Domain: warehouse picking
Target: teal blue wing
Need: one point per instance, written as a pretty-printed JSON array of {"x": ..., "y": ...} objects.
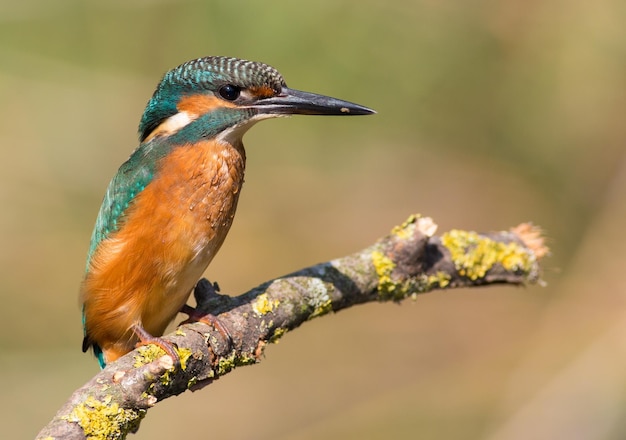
[{"x": 131, "y": 178}]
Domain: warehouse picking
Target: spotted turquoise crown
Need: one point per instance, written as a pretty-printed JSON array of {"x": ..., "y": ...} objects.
[{"x": 203, "y": 74}]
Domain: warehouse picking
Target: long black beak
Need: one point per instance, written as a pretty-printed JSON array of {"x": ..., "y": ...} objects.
[{"x": 296, "y": 102}]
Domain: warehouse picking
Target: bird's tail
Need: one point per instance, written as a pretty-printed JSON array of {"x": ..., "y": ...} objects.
[
  {"x": 88, "y": 343},
  {"x": 97, "y": 351}
]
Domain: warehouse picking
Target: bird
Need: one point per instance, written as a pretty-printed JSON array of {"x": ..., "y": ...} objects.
[{"x": 169, "y": 207}]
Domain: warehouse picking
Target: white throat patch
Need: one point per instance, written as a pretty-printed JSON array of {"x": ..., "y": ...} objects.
[{"x": 172, "y": 124}]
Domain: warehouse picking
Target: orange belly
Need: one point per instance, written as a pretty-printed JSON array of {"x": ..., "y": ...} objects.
[{"x": 144, "y": 272}]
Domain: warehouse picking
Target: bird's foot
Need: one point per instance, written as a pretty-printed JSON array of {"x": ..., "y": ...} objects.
[
  {"x": 207, "y": 318},
  {"x": 205, "y": 291},
  {"x": 207, "y": 297},
  {"x": 146, "y": 338}
]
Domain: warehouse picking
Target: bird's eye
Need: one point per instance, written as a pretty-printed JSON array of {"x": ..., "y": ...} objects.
[{"x": 229, "y": 92}]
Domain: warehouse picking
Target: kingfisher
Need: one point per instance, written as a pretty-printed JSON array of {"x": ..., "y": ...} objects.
[{"x": 168, "y": 209}]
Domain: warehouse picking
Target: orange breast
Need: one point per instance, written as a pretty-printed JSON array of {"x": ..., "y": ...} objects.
[{"x": 144, "y": 272}]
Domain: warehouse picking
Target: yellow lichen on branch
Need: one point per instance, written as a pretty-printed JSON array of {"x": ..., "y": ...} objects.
[
  {"x": 473, "y": 255},
  {"x": 105, "y": 420}
]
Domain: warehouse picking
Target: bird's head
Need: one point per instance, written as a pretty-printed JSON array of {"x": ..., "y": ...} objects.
[{"x": 221, "y": 96}]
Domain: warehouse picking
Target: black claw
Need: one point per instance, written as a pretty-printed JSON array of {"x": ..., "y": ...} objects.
[
  {"x": 206, "y": 293},
  {"x": 205, "y": 290}
]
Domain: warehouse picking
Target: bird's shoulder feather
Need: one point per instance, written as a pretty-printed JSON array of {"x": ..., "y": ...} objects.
[{"x": 131, "y": 178}]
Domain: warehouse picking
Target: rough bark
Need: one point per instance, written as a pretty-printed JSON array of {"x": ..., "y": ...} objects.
[{"x": 409, "y": 261}]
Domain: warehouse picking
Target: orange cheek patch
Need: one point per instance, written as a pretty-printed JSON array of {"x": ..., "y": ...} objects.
[
  {"x": 262, "y": 91},
  {"x": 201, "y": 104}
]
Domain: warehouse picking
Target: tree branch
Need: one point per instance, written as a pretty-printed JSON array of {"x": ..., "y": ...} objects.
[{"x": 409, "y": 261}]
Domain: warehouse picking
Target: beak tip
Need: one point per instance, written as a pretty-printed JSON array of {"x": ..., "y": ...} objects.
[{"x": 357, "y": 110}]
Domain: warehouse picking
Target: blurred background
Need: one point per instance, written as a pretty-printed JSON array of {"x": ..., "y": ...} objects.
[{"x": 490, "y": 113}]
